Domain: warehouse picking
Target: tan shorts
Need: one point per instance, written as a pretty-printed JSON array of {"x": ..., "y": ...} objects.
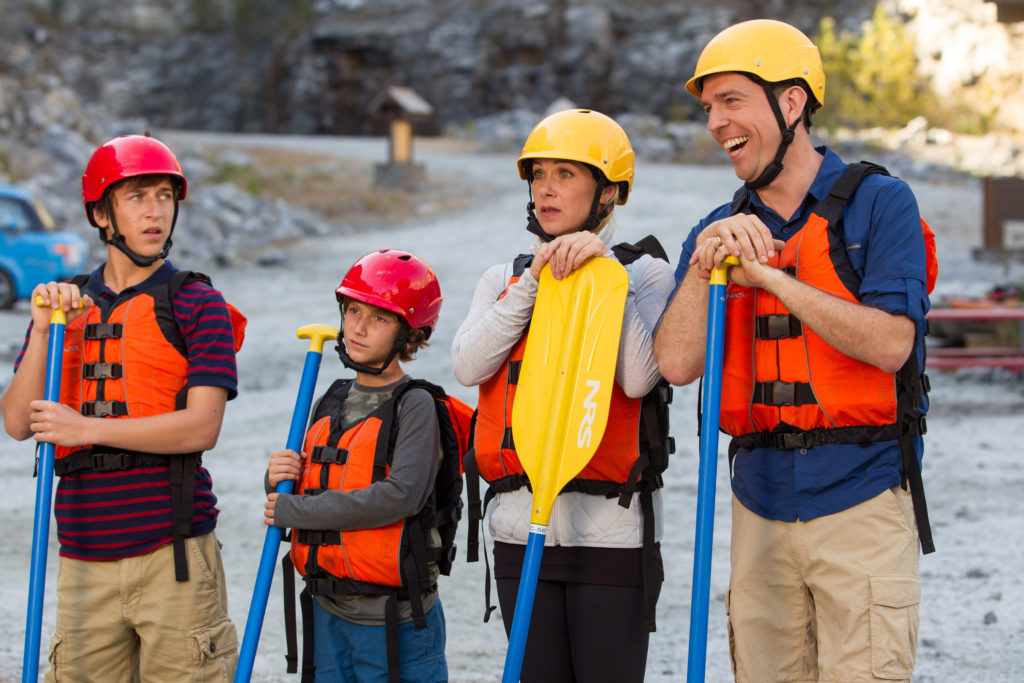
[
  {"x": 832, "y": 599},
  {"x": 129, "y": 619}
]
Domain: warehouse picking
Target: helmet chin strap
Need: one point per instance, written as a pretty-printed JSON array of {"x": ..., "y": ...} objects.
[
  {"x": 400, "y": 343},
  {"x": 788, "y": 134},
  {"x": 592, "y": 223},
  {"x": 533, "y": 225},
  {"x": 117, "y": 240}
]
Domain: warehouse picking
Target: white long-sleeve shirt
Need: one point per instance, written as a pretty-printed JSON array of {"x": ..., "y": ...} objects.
[{"x": 481, "y": 347}]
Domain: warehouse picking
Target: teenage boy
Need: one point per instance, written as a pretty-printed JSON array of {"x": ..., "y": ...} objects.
[
  {"x": 374, "y": 482},
  {"x": 149, "y": 363}
]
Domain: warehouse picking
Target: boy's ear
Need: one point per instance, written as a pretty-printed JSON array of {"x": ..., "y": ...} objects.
[{"x": 99, "y": 213}]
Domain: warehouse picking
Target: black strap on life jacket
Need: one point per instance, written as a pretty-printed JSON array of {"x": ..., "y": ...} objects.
[
  {"x": 475, "y": 532},
  {"x": 654, "y": 447},
  {"x": 913, "y": 424},
  {"x": 181, "y": 474},
  {"x": 291, "y": 637},
  {"x": 912, "y": 384}
]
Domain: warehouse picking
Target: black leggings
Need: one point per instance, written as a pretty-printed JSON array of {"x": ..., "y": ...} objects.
[{"x": 581, "y": 632}]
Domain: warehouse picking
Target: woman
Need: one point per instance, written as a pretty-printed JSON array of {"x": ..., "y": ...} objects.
[{"x": 590, "y": 617}]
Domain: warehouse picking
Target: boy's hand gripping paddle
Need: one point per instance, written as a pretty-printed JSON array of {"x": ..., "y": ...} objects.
[
  {"x": 561, "y": 404},
  {"x": 317, "y": 336},
  {"x": 710, "y": 409},
  {"x": 44, "y": 499}
]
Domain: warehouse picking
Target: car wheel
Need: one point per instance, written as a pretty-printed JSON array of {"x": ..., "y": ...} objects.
[{"x": 7, "y": 291}]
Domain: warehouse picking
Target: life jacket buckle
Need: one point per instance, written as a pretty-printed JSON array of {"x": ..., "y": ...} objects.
[
  {"x": 97, "y": 371},
  {"x": 100, "y": 331},
  {"x": 778, "y": 326},
  {"x": 783, "y": 393},
  {"x": 329, "y": 455},
  {"x": 450, "y": 553},
  {"x": 105, "y": 409},
  {"x": 782, "y": 441},
  {"x": 107, "y": 462}
]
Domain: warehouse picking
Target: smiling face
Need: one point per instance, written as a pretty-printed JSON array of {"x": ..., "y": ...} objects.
[
  {"x": 144, "y": 211},
  {"x": 742, "y": 122},
  {"x": 563, "y": 192}
]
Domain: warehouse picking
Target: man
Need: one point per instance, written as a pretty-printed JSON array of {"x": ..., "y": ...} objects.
[
  {"x": 149, "y": 363},
  {"x": 821, "y": 390}
]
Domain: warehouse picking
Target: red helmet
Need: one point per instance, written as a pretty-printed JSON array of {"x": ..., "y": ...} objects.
[
  {"x": 396, "y": 281},
  {"x": 125, "y": 157}
]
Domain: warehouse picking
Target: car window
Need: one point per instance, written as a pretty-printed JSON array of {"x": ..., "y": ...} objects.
[
  {"x": 43, "y": 215},
  {"x": 14, "y": 215}
]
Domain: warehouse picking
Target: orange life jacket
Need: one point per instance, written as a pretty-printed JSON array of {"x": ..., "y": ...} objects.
[
  {"x": 122, "y": 364},
  {"x": 784, "y": 387},
  {"x": 779, "y": 375},
  {"x": 390, "y": 560},
  {"x": 494, "y": 449},
  {"x": 130, "y": 361},
  {"x": 364, "y": 560}
]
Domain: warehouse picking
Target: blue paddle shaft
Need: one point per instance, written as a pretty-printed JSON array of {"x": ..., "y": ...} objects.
[
  {"x": 41, "y": 527},
  {"x": 710, "y": 407},
  {"x": 272, "y": 542},
  {"x": 524, "y": 604}
]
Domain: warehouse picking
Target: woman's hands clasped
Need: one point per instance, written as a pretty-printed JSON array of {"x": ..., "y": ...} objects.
[{"x": 566, "y": 253}]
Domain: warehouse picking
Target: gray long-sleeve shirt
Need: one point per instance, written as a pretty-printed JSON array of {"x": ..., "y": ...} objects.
[{"x": 403, "y": 493}]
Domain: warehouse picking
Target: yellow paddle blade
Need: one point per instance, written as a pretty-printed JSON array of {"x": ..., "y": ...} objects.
[{"x": 565, "y": 382}]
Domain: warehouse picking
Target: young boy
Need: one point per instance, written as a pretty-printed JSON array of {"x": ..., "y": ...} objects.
[
  {"x": 370, "y": 498},
  {"x": 149, "y": 363}
]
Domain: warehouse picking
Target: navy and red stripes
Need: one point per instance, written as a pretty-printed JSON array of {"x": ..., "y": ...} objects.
[
  {"x": 110, "y": 515},
  {"x": 205, "y": 323}
]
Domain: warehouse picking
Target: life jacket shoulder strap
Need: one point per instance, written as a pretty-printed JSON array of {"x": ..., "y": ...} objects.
[
  {"x": 520, "y": 264},
  {"x": 183, "y": 277},
  {"x": 330, "y": 403},
  {"x": 831, "y": 207},
  {"x": 627, "y": 253}
]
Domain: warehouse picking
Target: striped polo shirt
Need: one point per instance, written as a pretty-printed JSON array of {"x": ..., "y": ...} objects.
[{"x": 117, "y": 514}]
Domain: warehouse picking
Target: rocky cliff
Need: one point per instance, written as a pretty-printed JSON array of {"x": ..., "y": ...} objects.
[
  {"x": 75, "y": 73},
  {"x": 315, "y": 66}
]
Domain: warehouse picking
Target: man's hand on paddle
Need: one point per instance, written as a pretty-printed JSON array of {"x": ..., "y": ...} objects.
[{"x": 743, "y": 236}]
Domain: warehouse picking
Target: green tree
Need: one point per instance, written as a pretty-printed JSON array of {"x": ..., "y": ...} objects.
[{"x": 872, "y": 79}]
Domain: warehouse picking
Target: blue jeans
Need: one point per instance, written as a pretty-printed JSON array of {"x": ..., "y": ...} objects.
[{"x": 356, "y": 653}]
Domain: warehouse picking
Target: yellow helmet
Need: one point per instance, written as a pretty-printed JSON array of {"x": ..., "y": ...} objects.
[
  {"x": 585, "y": 136},
  {"x": 771, "y": 50}
]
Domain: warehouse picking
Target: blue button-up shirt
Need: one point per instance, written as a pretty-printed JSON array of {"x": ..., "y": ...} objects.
[{"x": 882, "y": 230}]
